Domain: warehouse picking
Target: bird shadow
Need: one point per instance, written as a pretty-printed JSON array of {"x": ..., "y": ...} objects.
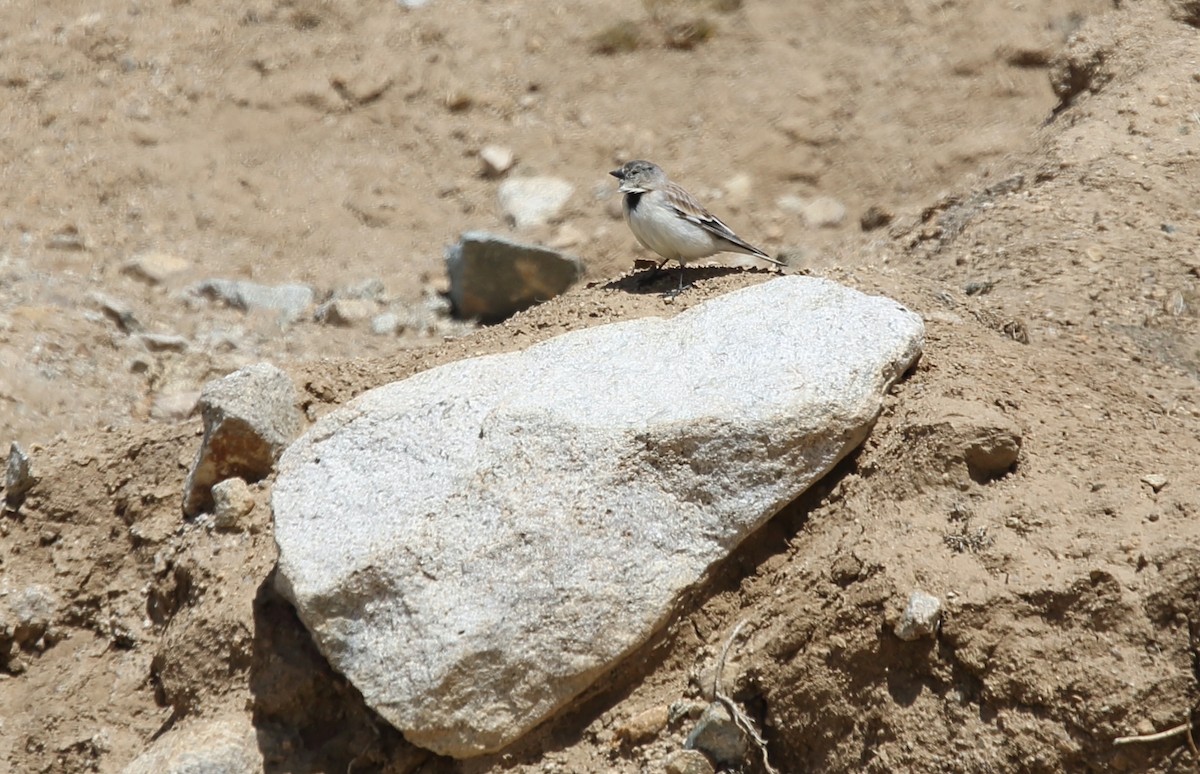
[{"x": 653, "y": 280}]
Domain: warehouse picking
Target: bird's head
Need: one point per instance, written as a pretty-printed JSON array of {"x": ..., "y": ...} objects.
[{"x": 639, "y": 176}]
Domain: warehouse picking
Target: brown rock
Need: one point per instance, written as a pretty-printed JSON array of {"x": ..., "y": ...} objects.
[
  {"x": 644, "y": 726},
  {"x": 875, "y": 217},
  {"x": 687, "y": 762},
  {"x": 965, "y": 442},
  {"x": 155, "y": 268},
  {"x": 347, "y": 312}
]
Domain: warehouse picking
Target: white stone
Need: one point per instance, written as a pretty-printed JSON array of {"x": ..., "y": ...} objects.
[
  {"x": 824, "y": 212},
  {"x": 496, "y": 160},
  {"x": 174, "y": 405},
  {"x": 289, "y": 301},
  {"x": 34, "y": 607},
  {"x": 1156, "y": 481},
  {"x": 738, "y": 189},
  {"x": 473, "y": 546},
  {"x": 533, "y": 201},
  {"x": 920, "y": 617},
  {"x": 346, "y": 312},
  {"x": 232, "y": 502},
  {"x": 387, "y": 324},
  {"x": 791, "y": 204}
]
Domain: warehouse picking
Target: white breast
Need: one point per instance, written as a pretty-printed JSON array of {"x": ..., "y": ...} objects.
[{"x": 672, "y": 237}]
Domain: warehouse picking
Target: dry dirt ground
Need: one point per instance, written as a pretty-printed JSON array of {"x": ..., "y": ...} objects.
[{"x": 1043, "y": 164}]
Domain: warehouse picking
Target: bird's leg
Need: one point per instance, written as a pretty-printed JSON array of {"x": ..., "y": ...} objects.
[
  {"x": 653, "y": 275},
  {"x": 674, "y": 293}
]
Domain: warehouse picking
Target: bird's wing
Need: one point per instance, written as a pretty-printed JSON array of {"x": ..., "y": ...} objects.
[{"x": 686, "y": 207}]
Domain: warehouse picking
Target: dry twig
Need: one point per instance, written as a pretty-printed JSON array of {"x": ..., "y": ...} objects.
[
  {"x": 1182, "y": 728},
  {"x": 742, "y": 720}
]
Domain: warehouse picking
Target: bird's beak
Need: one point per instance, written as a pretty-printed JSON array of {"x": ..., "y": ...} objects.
[{"x": 625, "y": 187}]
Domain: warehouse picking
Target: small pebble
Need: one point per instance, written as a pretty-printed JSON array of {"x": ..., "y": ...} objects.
[
  {"x": 687, "y": 762},
  {"x": 875, "y": 217},
  {"x": 387, "y": 324},
  {"x": 232, "y": 501},
  {"x": 117, "y": 311},
  {"x": 496, "y": 160},
  {"x": 163, "y": 342},
  {"x": 920, "y": 617},
  {"x": 67, "y": 238},
  {"x": 174, "y": 406},
  {"x": 155, "y": 268},
  {"x": 717, "y": 735},
  {"x": 346, "y": 312},
  {"x": 791, "y": 204},
  {"x": 644, "y": 726},
  {"x": 738, "y": 189},
  {"x": 1175, "y": 304},
  {"x": 824, "y": 212},
  {"x": 19, "y": 478},
  {"x": 1156, "y": 481},
  {"x": 532, "y": 201}
]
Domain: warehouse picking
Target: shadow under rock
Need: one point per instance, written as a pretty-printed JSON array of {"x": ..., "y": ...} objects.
[
  {"x": 309, "y": 718},
  {"x": 774, "y": 536}
]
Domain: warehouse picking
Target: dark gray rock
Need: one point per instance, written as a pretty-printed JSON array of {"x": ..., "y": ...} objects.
[
  {"x": 18, "y": 476},
  {"x": 492, "y": 278},
  {"x": 249, "y": 418},
  {"x": 718, "y": 736}
]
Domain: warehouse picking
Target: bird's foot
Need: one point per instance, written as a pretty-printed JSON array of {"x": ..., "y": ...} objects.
[{"x": 674, "y": 293}]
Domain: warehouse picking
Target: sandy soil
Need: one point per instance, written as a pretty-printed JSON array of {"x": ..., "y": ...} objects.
[{"x": 1042, "y": 162}]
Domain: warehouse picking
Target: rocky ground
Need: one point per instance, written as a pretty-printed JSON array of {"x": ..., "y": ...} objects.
[{"x": 1041, "y": 164}]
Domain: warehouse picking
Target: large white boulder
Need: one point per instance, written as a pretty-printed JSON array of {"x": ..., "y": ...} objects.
[{"x": 473, "y": 546}]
